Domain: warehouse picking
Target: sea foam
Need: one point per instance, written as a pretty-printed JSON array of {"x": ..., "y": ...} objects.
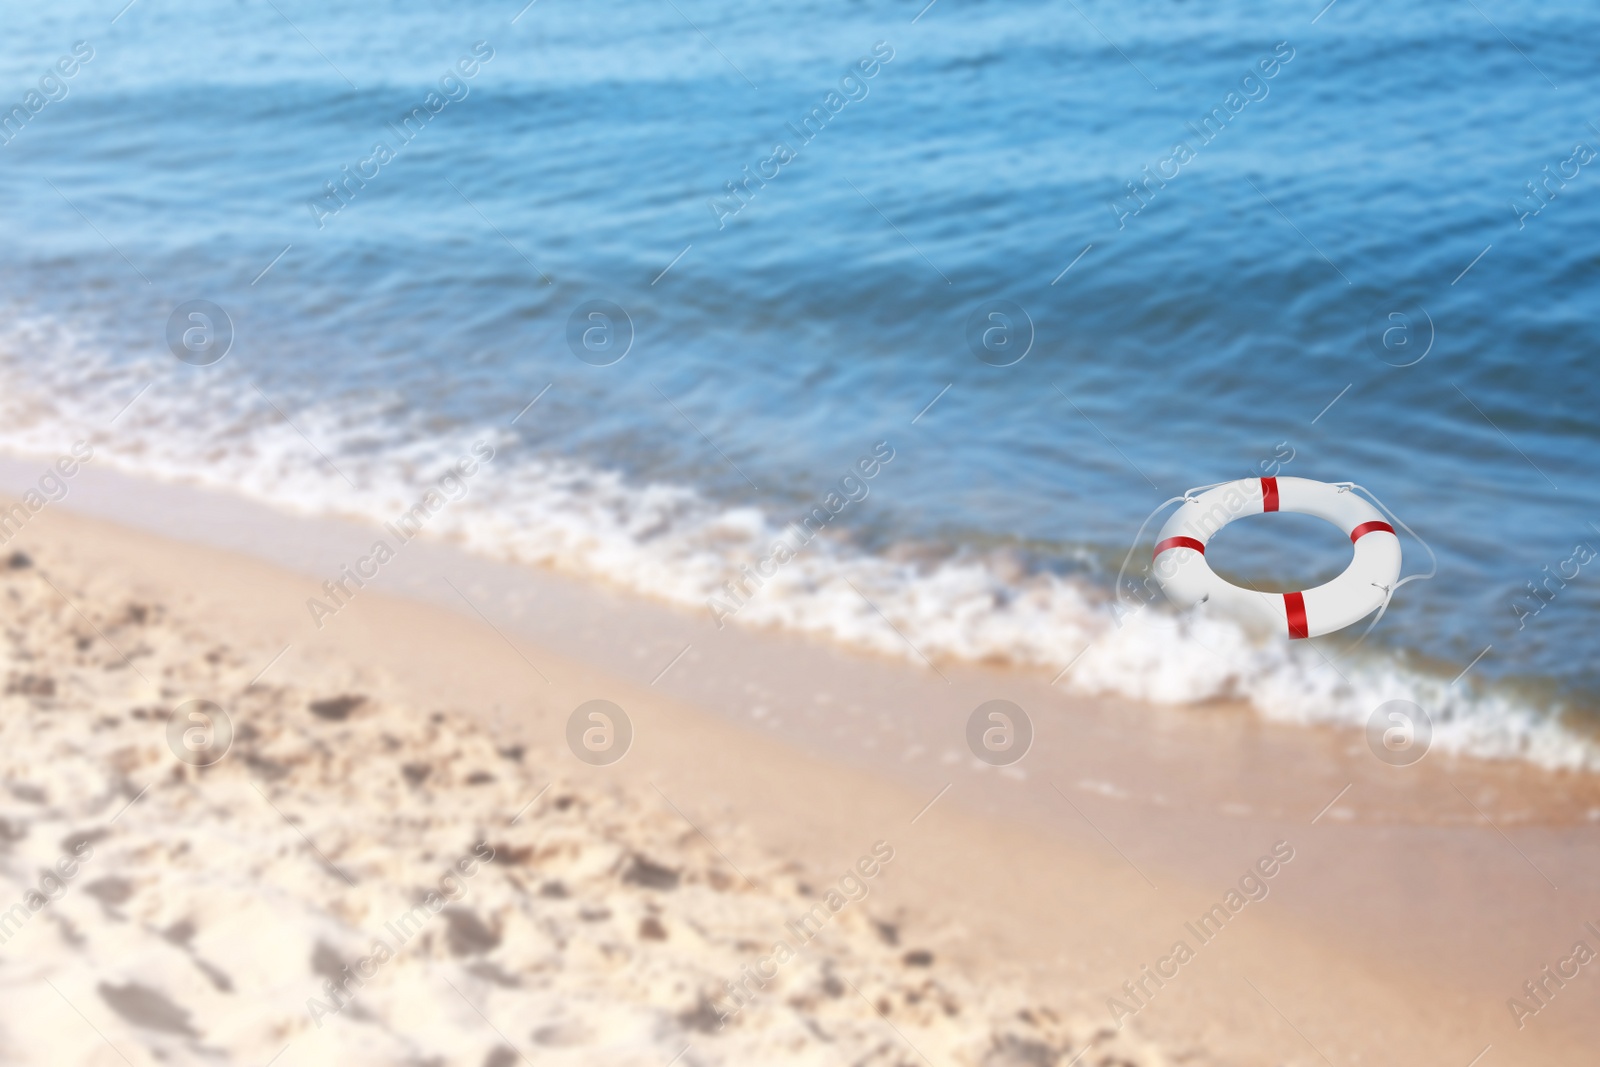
[{"x": 675, "y": 544}]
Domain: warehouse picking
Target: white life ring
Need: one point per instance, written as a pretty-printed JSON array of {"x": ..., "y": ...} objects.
[{"x": 1187, "y": 579}]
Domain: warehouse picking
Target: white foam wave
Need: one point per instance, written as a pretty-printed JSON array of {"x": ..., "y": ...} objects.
[{"x": 216, "y": 429}]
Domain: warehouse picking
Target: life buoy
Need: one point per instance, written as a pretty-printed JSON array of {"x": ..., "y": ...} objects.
[{"x": 1187, "y": 579}]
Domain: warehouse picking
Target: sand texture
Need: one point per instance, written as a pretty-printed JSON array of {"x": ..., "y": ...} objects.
[{"x": 361, "y": 880}]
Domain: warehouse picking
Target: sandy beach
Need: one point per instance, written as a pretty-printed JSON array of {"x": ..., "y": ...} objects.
[
  {"x": 720, "y": 535},
  {"x": 359, "y": 878},
  {"x": 397, "y": 857}
]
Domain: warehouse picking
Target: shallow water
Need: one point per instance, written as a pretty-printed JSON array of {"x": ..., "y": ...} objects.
[{"x": 1239, "y": 323}]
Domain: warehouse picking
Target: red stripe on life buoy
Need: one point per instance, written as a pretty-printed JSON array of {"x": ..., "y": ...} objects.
[
  {"x": 1179, "y": 542},
  {"x": 1295, "y": 605},
  {"x": 1269, "y": 494},
  {"x": 1370, "y": 527}
]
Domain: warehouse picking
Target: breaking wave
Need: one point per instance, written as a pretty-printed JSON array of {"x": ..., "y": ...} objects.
[{"x": 673, "y": 543}]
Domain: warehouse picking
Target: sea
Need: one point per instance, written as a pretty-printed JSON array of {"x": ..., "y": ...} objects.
[{"x": 691, "y": 268}]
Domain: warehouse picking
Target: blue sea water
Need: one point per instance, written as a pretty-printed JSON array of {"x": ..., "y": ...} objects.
[{"x": 1345, "y": 275}]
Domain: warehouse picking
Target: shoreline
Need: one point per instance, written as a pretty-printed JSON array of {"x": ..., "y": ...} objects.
[
  {"x": 676, "y": 547},
  {"x": 1154, "y": 659},
  {"x": 804, "y": 748}
]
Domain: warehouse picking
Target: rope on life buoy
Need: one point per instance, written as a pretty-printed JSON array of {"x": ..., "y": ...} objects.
[{"x": 1388, "y": 591}]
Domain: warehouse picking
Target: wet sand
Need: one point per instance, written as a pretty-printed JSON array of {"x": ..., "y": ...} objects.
[{"x": 1416, "y": 901}]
